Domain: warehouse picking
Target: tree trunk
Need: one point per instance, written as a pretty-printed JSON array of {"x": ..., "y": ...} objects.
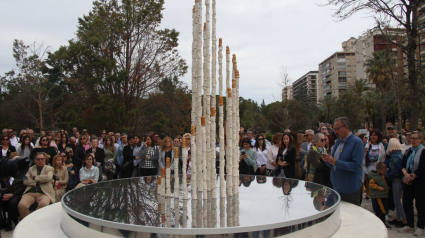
[
  {"x": 40, "y": 109},
  {"x": 411, "y": 70},
  {"x": 384, "y": 116}
]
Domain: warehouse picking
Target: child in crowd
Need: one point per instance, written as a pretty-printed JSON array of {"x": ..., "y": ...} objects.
[{"x": 379, "y": 191}]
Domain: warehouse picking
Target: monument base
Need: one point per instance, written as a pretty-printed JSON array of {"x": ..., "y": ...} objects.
[{"x": 46, "y": 223}]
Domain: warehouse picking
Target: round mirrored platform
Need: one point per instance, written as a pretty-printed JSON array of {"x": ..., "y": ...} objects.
[{"x": 263, "y": 203}]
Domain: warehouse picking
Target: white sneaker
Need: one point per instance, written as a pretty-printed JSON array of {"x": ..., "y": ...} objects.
[
  {"x": 419, "y": 232},
  {"x": 406, "y": 229}
]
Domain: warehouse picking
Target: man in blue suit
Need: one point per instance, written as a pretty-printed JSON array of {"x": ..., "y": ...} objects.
[{"x": 346, "y": 162}]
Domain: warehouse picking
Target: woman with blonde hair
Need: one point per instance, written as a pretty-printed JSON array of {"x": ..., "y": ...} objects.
[
  {"x": 166, "y": 150},
  {"x": 394, "y": 174},
  {"x": 60, "y": 177}
]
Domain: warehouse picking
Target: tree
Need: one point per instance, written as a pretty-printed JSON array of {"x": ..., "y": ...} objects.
[
  {"x": 30, "y": 96},
  {"x": 328, "y": 104},
  {"x": 119, "y": 55},
  {"x": 381, "y": 71},
  {"x": 397, "y": 13},
  {"x": 359, "y": 87},
  {"x": 167, "y": 109}
]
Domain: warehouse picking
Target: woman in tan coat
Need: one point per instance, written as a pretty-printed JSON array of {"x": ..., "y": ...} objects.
[{"x": 60, "y": 177}]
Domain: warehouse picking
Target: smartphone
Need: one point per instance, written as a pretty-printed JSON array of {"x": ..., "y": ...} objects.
[
  {"x": 280, "y": 158},
  {"x": 243, "y": 152},
  {"x": 325, "y": 124}
]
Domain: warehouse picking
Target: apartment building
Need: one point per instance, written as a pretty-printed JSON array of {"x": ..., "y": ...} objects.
[
  {"x": 308, "y": 82},
  {"x": 336, "y": 72},
  {"x": 287, "y": 93},
  {"x": 374, "y": 42}
]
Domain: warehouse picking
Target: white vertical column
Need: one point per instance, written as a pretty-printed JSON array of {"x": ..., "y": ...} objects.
[
  {"x": 213, "y": 101},
  {"x": 176, "y": 173},
  {"x": 221, "y": 120},
  {"x": 198, "y": 138},
  {"x": 184, "y": 167},
  {"x": 229, "y": 135}
]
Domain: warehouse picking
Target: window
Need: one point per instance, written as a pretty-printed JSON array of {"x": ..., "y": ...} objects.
[
  {"x": 342, "y": 79},
  {"x": 348, "y": 72},
  {"x": 348, "y": 66},
  {"x": 348, "y": 61},
  {"x": 342, "y": 74}
]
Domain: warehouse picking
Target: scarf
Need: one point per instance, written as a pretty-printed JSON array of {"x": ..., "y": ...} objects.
[{"x": 411, "y": 159}]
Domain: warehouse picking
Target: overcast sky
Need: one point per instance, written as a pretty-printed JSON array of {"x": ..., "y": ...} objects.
[{"x": 266, "y": 35}]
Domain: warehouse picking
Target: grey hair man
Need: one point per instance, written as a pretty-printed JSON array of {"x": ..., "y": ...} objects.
[
  {"x": 308, "y": 140},
  {"x": 346, "y": 162}
]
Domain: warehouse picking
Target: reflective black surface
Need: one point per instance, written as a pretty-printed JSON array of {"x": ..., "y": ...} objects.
[{"x": 261, "y": 200}]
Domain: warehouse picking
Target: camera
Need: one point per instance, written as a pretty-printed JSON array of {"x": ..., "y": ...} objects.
[{"x": 16, "y": 168}]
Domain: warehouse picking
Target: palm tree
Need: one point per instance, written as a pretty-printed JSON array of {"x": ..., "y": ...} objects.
[
  {"x": 379, "y": 70},
  {"x": 359, "y": 87},
  {"x": 370, "y": 105},
  {"x": 328, "y": 103}
]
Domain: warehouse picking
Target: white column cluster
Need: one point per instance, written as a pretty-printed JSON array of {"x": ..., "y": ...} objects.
[{"x": 204, "y": 109}]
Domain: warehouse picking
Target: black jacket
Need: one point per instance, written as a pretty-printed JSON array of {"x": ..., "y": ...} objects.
[
  {"x": 100, "y": 155},
  {"x": 420, "y": 171},
  {"x": 10, "y": 150},
  {"x": 51, "y": 151},
  {"x": 289, "y": 157}
]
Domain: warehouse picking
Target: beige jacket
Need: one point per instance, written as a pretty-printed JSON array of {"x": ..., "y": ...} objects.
[
  {"x": 62, "y": 176},
  {"x": 45, "y": 180}
]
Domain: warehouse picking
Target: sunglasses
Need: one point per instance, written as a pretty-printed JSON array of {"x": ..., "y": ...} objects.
[
  {"x": 39, "y": 159},
  {"x": 63, "y": 155},
  {"x": 260, "y": 139},
  {"x": 44, "y": 140},
  {"x": 5, "y": 139},
  {"x": 323, "y": 140}
]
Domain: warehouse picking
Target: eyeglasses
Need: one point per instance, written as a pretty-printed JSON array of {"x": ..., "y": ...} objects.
[
  {"x": 5, "y": 139},
  {"x": 337, "y": 128},
  {"x": 39, "y": 159},
  {"x": 64, "y": 156}
]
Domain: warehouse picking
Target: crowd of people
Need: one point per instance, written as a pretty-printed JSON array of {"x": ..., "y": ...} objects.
[{"x": 391, "y": 170}]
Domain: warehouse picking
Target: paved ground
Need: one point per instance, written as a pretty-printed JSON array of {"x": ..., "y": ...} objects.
[
  {"x": 367, "y": 204},
  {"x": 392, "y": 233}
]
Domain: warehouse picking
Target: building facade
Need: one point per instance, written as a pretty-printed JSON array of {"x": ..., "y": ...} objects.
[
  {"x": 335, "y": 73},
  {"x": 367, "y": 45},
  {"x": 287, "y": 93},
  {"x": 308, "y": 83}
]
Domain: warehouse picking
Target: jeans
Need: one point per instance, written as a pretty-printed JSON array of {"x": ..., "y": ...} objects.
[
  {"x": 397, "y": 189},
  {"x": 415, "y": 191}
]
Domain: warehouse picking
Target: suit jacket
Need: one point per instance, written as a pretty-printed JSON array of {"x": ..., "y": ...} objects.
[
  {"x": 44, "y": 179},
  {"x": 304, "y": 146},
  {"x": 289, "y": 157}
]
